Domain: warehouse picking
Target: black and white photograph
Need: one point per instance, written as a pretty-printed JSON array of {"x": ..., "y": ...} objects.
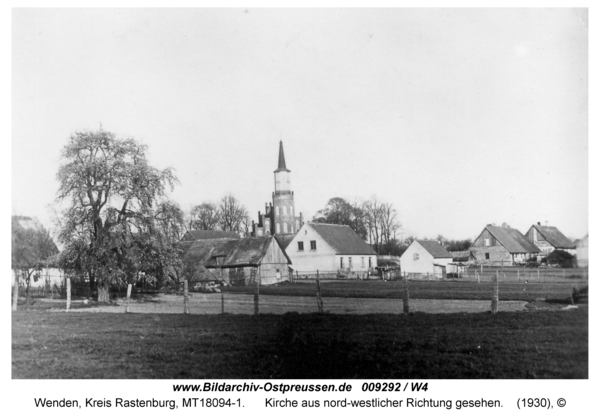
[{"x": 309, "y": 194}]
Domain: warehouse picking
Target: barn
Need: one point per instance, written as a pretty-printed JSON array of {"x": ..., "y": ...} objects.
[
  {"x": 502, "y": 246},
  {"x": 238, "y": 261}
]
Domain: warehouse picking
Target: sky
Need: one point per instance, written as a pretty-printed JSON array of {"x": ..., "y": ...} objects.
[{"x": 458, "y": 117}]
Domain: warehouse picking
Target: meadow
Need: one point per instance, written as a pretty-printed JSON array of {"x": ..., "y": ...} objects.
[{"x": 539, "y": 343}]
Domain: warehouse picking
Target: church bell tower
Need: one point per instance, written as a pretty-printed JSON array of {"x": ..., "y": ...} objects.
[{"x": 285, "y": 220}]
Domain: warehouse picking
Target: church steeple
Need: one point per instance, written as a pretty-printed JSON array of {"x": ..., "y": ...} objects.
[{"x": 281, "y": 166}]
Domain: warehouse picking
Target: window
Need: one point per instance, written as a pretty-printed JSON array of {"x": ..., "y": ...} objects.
[
  {"x": 370, "y": 262},
  {"x": 291, "y": 210},
  {"x": 285, "y": 210},
  {"x": 278, "y": 228},
  {"x": 313, "y": 245},
  {"x": 277, "y": 210},
  {"x": 487, "y": 256},
  {"x": 362, "y": 261},
  {"x": 341, "y": 262},
  {"x": 415, "y": 256},
  {"x": 300, "y": 245},
  {"x": 350, "y": 262},
  {"x": 487, "y": 242},
  {"x": 285, "y": 227},
  {"x": 278, "y": 274}
]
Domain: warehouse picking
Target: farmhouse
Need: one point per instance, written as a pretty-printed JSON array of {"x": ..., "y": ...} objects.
[
  {"x": 199, "y": 234},
  {"x": 502, "y": 245},
  {"x": 330, "y": 248},
  {"x": 549, "y": 238},
  {"x": 425, "y": 258},
  {"x": 582, "y": 252},
  {"x": 235, "y": 261}
]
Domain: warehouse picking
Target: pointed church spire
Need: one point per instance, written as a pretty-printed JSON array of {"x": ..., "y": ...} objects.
[{"x": 281, "y": 166}]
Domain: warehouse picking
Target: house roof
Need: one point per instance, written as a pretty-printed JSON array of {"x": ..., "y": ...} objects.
[
  {"x": 435, "y": 249},
  {"x": 236, "y": 253},
  {"x": 512, "y": 239},
  {"x": 554, "y": 237},
  {"x": 461, "y": 255},
  {"x": 342, "y": 239},
  {"x": 205, "y": 234},
  {"x": 284, "y": 240}
]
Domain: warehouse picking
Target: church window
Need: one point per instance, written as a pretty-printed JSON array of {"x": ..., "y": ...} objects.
[
  {"x": 291, "y": 210},
  {"x": 285, "y": 227},
  {"x": 278, "y": 228},
  {"x": 284, "y": 210},
  {"x": 277, "y": 210}
]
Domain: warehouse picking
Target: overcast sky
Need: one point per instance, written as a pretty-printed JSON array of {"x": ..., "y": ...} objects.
[{"x": 459, "y": 117}]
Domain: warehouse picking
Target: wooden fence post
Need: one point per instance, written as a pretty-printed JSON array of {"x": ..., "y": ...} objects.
[
  {"x": 186, "y": 302},
  {"x": 256, "y": 291},
  {"x": 319, "y": 299},
  {"x": 68, "y": 294},
  {"x": 222, "y": 303},
  {"x": 405, "y": 297},
  {"x": 16, "y": 292},
  {"x": 495, "y": 294},
  {"x": 128, "y": 298}
]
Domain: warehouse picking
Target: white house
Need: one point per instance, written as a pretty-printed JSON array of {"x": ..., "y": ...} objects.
[
  {"x": 425, "y": 258},
  {"x": 330, "y": 248}
]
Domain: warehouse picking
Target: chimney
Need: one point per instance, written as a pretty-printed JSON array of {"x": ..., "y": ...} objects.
[{"x": 539, "y": 224}]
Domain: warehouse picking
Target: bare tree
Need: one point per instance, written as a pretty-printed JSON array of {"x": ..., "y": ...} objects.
[
  {"x": 232, "y": 214},
  {"x": 205, "y": 216}
]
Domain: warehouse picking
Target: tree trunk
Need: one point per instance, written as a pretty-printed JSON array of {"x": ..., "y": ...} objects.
[
  {"x": 103, "y": 295},
  {"x": 27, "y": 292},
  {"x": 16, "y": 291}
]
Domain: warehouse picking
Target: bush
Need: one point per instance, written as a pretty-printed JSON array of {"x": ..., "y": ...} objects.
[{"x": 560, "y": 258}]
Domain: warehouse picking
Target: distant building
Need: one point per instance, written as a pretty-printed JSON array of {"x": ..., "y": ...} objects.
[
  {"x": 330, "y": 248},
  {"x": 199, "y": 234},
  {"x": 549, "y": 238},
  {"x": 236, "y": 261},
  {"x": 582, "y": 252},
  {"x": 425, "y": 258},
  {"x": 502, "y": 245},
  {"x": 280, "y": 216}
]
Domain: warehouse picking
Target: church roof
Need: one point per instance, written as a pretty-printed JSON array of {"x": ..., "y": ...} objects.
[
  {"x": 281, "y": 166},
  {"x": 343, "y": 239}
]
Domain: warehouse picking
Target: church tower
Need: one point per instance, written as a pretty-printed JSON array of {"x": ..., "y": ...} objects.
[
  {"x": 284, "y": 221},
  {"x": 280, "y": 217}
]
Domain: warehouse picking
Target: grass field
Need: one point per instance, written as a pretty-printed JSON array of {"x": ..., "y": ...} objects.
[{"x": 539, "y": 344}]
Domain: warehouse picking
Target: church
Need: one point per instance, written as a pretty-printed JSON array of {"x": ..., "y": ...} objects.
[{"x": 280, "y": 217}]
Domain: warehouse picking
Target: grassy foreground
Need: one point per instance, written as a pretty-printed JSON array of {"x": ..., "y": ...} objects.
[{"x": 540, "y": 344}]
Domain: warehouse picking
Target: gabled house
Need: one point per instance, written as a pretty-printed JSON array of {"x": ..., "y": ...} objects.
[
  {"x": 502, "y": 246},
  {"x": 330, "y": 248},
  {"x": 425, "y": 258},
  {"x": 199, "y": 234},
  {"x": 235, "y": 261},
  {"x": 582, "y": 252},
  {"x": 549, "y": 238}
]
